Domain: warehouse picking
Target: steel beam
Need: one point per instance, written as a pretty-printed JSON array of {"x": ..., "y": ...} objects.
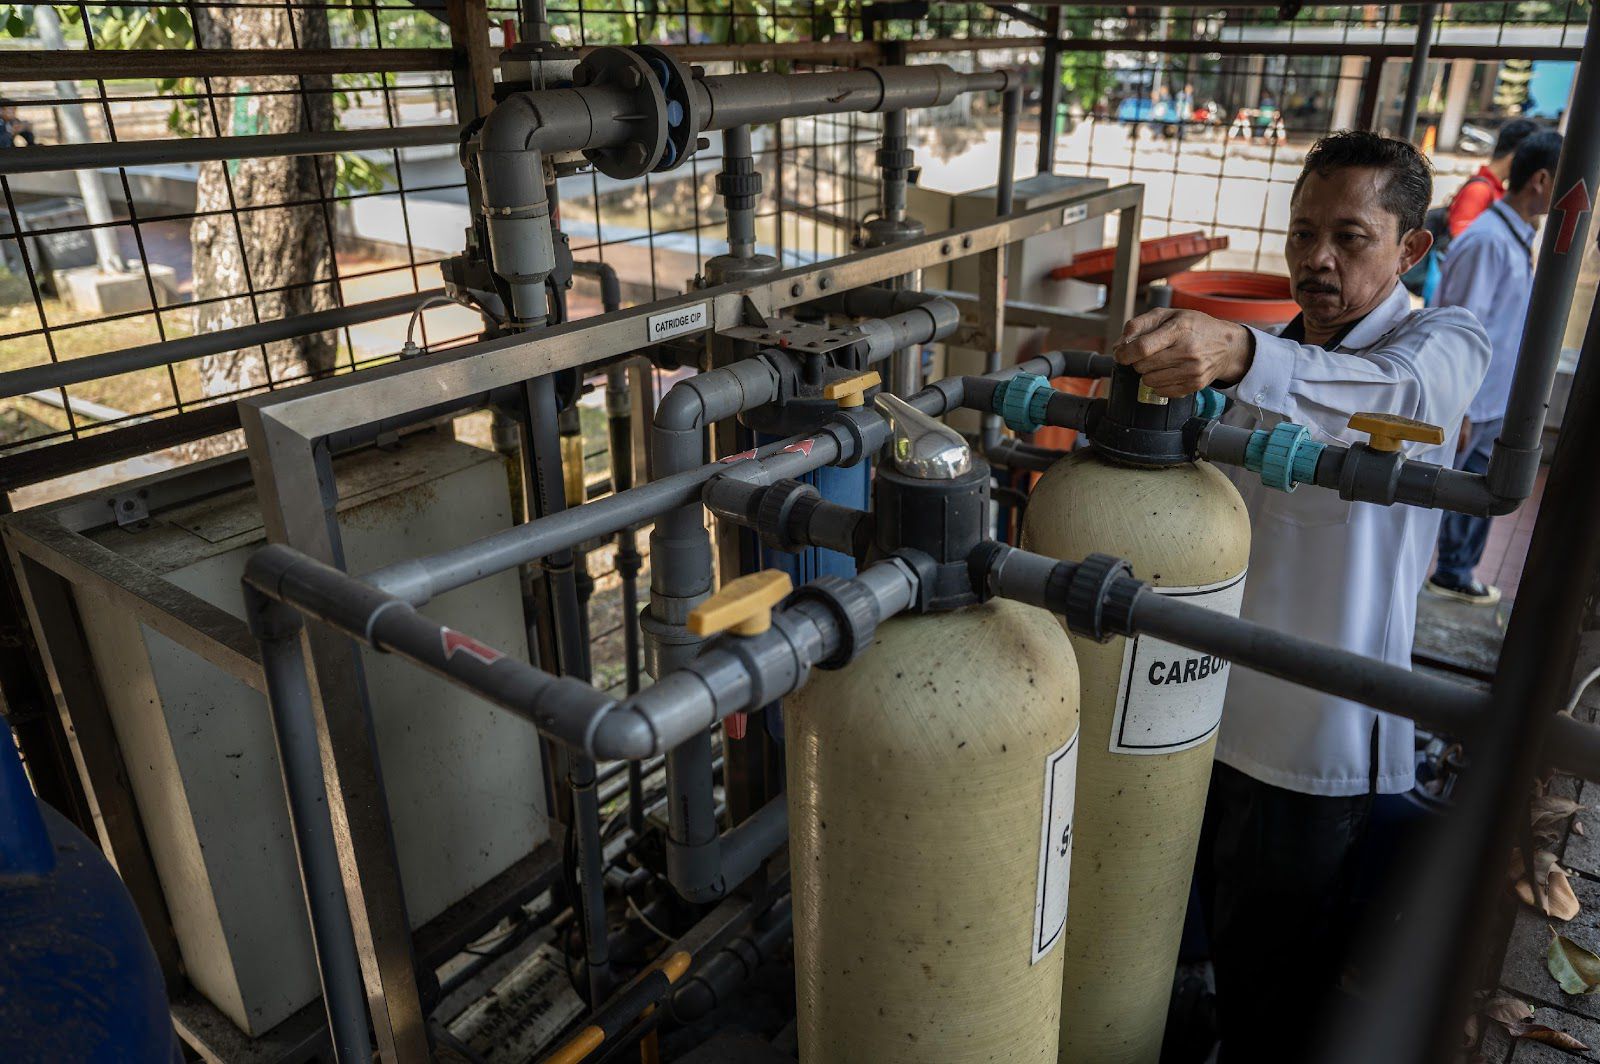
[
  {"x": 76, "y": 65},
  {"x": 95, "y": 155}
]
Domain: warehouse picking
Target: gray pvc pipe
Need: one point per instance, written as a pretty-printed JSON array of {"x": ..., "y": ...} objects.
[
  {"x": 1439, "y": 704},
  {"x": 741, "y": 220},
  {"x": 300, "y": 763},
  {"x": 754, "y": 99},
  {"x": 1514, "y": 463},
  {"x": 418, "y": 580}
]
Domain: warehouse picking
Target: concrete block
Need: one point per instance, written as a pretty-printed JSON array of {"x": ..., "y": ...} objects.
[{"x": 94, "y": 293}]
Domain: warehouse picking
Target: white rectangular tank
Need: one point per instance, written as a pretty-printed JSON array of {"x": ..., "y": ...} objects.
[{"x": 463, "y": 778}]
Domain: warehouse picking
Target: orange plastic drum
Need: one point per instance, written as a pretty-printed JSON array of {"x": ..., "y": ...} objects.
[{"x": 1235, "y": 295}]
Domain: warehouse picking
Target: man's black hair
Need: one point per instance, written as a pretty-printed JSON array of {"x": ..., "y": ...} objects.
[
  {"x": 1542, "y": 151},
  {"x": 1409, "y": 186},
  {"x": 1511, "y": 136}
]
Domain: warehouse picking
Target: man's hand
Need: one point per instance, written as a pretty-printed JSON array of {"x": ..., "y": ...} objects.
[
  {"x": 1178, "y": 352},
  {"x": 1464, "y": 437}
]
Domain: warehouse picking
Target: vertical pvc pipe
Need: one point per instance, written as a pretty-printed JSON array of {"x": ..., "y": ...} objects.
[{"x": 1515, "y": 461}]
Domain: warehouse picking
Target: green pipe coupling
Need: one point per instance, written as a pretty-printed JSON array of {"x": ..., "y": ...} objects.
[
  {"x": 1022, "y": 401},
  {"x": 1286, "y": 456}
]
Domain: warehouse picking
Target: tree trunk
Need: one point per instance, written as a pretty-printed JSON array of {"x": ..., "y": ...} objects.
[{"x": 284, "y": 253}]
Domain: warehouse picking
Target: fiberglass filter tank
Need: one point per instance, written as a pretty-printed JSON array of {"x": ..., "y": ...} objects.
[
  {"x": 930, "y": 807},
  {"x": 1150, "y": 714}
]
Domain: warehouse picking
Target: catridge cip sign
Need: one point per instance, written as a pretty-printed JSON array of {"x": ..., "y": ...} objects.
[{"x": 678, "y": 322}]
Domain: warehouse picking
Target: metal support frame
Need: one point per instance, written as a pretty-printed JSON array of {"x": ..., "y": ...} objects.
[
  {"x": 57, "y": 566},
  {"x": 1050, "y": 92},
  {"x": 1419, "y": 71}
]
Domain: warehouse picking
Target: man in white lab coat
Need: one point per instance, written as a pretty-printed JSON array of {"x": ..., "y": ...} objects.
[{"x": 1297, "y": 770}]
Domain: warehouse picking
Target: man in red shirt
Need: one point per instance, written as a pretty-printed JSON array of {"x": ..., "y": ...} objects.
[{"x": 1489, "y": 183}]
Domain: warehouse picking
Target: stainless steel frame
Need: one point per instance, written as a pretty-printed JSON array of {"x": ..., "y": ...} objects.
[
  {"x": 290, "y": 433},
  {"x": 51, "y": 555}
]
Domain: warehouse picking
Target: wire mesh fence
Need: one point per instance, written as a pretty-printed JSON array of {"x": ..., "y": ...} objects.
[{"x": 1210, "y": 109}]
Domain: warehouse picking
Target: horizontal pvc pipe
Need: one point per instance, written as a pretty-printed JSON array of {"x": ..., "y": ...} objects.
[
  {"x": 95, "y": 155},
  {"x": 756, "y": 99},
  {"x": 170, "y": 352},
  {"x": 418, "y": 580},
  {"x": 1439, "y": 704}
]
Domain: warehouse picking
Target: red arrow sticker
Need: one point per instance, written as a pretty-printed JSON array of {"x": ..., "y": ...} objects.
[
  {"x": 803, "y": 447},
  {"x": 741, "y": 456},
  {"x": 454, "y": 641},
  {"x": 1572, "y": 206}
]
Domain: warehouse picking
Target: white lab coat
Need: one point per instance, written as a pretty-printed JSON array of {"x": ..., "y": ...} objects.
[{"x": 1341, "y": 573}]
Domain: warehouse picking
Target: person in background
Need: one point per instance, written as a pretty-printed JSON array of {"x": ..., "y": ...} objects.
[
  {"x": 1489, "y": 271},
  {"x": 1488, "y": 185},
  {"x": 1297, "y": 771},
  {"x": 15, "y": 131},
  {"x": 1471, "y": 199}
]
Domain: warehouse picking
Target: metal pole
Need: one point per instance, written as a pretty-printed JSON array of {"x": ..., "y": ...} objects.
[
  {"x": 543, "y": 441},
  {"x": 1436, "y": 959},
  {"x": 56, "y": 157},
  {"x": 1419, "y": 71},
  {"x": 1050, "y": 92},
  {"x": 75, "y": 129},
  {"x": 1010, "y": 116},
  {"x": 277, "y": 628},
  {"x": 1514, "y": 464},
  {"x": 52, "y": 375}
]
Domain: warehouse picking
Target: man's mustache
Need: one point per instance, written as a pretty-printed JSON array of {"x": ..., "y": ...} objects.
[{"x": 1318, "y": 287}]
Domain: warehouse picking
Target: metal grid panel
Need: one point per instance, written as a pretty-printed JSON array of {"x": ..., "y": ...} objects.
[{"x": 390, "y": 216}]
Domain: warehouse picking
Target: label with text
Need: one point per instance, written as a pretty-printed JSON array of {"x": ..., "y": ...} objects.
[
  {"x": 1075, "y": 213},
  {"x": 680, "y": 322},
  {"x": 1170, "y": 697},
  {"x": 1055, "y": 849}
]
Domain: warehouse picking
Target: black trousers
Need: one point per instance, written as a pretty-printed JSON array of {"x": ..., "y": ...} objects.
[{"x": 1275, "y": 872}]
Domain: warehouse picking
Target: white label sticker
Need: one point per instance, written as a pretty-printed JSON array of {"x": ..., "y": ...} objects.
[
  {"x": 1055, "y": 849},
  {"x": 1170, "y": 697},
  {"x": 679, "y": 322},
  {"x": 1075, "y": 213}
]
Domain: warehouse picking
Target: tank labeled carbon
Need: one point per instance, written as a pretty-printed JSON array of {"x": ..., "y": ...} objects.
[
  {"x": 1150, "y": 709},
  {"x": 931, "y": 788}
]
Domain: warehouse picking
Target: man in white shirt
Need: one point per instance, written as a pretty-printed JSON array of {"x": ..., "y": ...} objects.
[
  {"x": 1297, "y": 770},
  {"x": 1489, "y": 271}
]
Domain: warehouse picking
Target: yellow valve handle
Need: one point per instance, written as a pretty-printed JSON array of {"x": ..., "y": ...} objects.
[
  {"x": 743, "y": 606},
  {"x": 1385, "y": 431},
  {"x": 851, "y": 391}
]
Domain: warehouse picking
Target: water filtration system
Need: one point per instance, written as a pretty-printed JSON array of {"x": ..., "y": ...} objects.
[
  {"x": 1151, "y": 708},
  {"x": 860, "y": 743}
]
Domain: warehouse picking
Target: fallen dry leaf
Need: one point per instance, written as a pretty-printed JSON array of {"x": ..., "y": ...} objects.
[
  {"x": 1575, "y": 968},
  {"x": 1538, "y": 1032},
  {"x": 1560, "y": 900},
  {"x": 1549, "y": 810},
  {"x": 1577, "y": 828},
  {"x": 1507, "y": 1009}
]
